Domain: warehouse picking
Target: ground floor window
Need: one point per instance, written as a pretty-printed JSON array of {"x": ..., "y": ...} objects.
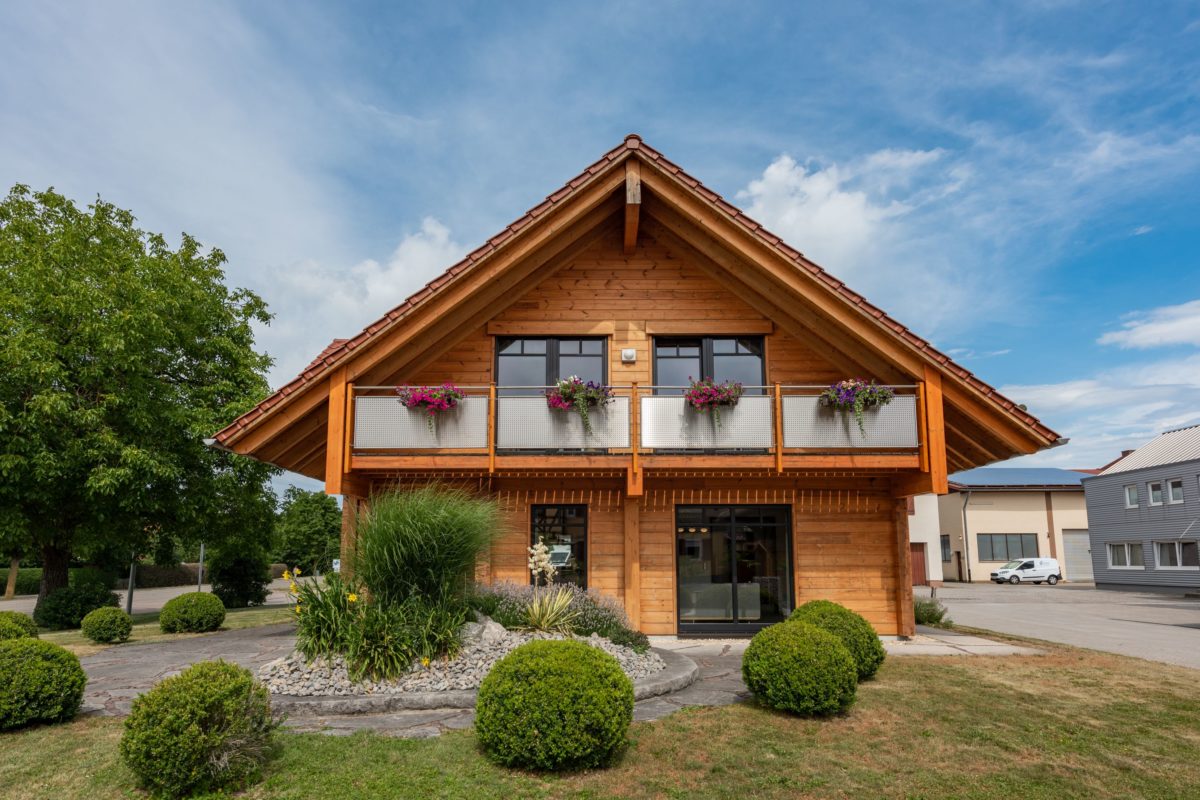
[
  {"x": 1007, "y": 546},
  {"x": 1126, "y": 555},
  {"x": 563, "y": 529},
  {"x": 946, "y": 549},
  {"x": 1177, "y": 554}
]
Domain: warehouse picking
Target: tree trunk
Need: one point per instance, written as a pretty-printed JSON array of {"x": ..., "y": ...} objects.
[
  {"x": 10, "y": 589},
  {"x": 55, "y": 575}
]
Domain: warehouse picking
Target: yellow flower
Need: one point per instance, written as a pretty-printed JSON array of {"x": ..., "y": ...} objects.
[
  {"x": 297, "y": 608},
  {"x": 352, "y": 597},
  {"x": 287, "y": 576},
  {"x": 296, "y": 572},
  {"x": 292, "y": 587},
  {"x": 424, "y": 662}
]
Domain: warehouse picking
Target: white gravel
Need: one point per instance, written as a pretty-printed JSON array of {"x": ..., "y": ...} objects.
[{"x": 483, "y": 645}]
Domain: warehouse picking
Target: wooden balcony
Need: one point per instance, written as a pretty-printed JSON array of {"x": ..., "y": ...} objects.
[{"x": 774, "y": 428}]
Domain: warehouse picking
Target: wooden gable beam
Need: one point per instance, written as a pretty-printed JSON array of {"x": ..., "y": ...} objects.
[{"x": 633, "y": 203}]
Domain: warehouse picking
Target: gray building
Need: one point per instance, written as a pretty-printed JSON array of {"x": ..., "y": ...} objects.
[{"x": 1144, "y": 516}]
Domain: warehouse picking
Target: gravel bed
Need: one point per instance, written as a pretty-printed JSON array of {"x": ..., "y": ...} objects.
[{"x": 483, "y": 645}]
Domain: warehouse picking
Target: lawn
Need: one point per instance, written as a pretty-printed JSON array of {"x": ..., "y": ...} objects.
[
  {"x": 145, "y": 628},
  {"x": 1071, "y": 723}
]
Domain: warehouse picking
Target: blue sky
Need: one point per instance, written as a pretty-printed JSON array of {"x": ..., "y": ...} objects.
[{"x": 1017, "y": 182}]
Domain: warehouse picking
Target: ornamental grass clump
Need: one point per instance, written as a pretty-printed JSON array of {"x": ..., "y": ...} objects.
[
  {"x": 431, "y": 400},
  {"x": 799, "y": 668},
  {"x": 852, "y": 629},
  {"x": 207, "y": 729},
  {"x": 41, "y": 682},
  {"x": 554, "y": 705},
  {"x": 857, "y": 395},
  {"x": 709, "y": 397},
  {"x": 572, "y": 394}
]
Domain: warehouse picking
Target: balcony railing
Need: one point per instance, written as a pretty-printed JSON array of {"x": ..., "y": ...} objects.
[{"x": 639, "y": 419}]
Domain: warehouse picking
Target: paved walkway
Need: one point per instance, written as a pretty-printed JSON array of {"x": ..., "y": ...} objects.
[
  {"x": 148, "y": 601},
  {"x": 119, "y": 674},
  {"x": 1155, "y": 626}
]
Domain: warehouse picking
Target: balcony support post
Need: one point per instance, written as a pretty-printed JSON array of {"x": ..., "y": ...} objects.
[
  {"x": 336, "y": 435},
  {"x": 778, "y": 413},
  {"x": 634, "y": 482},
  {"x": 633, "y": 562},
  {"x": 491, "y": 430},
  {"x": 905, "y": 623}
]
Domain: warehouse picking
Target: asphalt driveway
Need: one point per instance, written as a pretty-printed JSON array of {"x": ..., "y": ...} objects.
[{"x": 1146, "y": 625}]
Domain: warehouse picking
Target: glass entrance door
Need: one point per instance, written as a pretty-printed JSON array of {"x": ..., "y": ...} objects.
[{"x": 733, "y": 566}]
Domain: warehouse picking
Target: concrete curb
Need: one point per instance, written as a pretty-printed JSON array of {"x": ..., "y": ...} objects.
[{"x": 680, "y": 672}]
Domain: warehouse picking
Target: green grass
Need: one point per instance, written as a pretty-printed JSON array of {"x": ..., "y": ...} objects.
[
  {"x": 1072, "y": 723},
  {"x": 145, "y": 628}
]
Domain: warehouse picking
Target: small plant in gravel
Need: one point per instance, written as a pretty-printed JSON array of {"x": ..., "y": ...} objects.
[
  {"x": 550, "y": 610},
  {"x": 852, "y": 629},
  {"x": 42, "y": 682},
  {"x": 797, "y": 667},
  {"x": 508, "y": 604},
  {"x": 207, "y": 729},
  {"x": 15, "y": 625},
  {"x": 930, "y": 611},
  {"x": 194, "y": 612},
  {"x": 554, "y": 705},
  {"x": 107, "y": 625}
]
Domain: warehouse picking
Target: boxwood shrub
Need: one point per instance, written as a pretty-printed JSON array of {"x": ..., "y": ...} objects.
[
  {"x": 206, "y": 729},
  {"x": 42, "y": 683},
  {"x": 15, "y": 625},
  {"x": 855, "y": 632},
  {"x": 107, "y": 625},
  {"x": 554, "y": 705},
  {"x": 66, "y": 607},
  {"x": 797, "y": 667},
  {"x": 194, "y": 612}
]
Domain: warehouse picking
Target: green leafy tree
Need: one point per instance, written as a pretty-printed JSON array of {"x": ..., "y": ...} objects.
[
  {"x": 118, "y": 355},
  {"x": 308, "y": 532}
]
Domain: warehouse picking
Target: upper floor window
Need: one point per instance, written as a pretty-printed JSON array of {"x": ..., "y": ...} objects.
[
  {"x": 1131, "y": 496},
  {"x": 678, "y": 360},
  {"x": 1007, "y": 546},
  {"x": 1126, "y": 555},
  {"x": 1177, "y": 555},
  {"x": 1155, "y": 490},
  {"x": 527, "y": 366},
  {"x": 1175, "y": 491}
]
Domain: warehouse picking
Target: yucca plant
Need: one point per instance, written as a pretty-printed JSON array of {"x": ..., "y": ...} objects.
[
  {"x": 423, "y": 543},
  {"x": 550, "y": 610}
]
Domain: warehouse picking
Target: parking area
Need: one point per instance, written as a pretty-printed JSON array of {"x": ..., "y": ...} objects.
[{"x": 1158, "y": 627}]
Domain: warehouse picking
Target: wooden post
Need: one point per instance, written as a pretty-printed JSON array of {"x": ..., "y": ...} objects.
[
  {"x": 633, "y": 203},
  {"x": 778, "y": 428},
  {"x": 491, "y": 432},
  {"x": 351, "y": 508},
  {"x": 922, "y": 428},
  {"x": 633, "y": 561},
  {"x": 349, "y": 424},
  {"x": 634, "y": 484},
  {"x": 336, "y": 465},
  {"x": 936, "y": 427},
  {"x": 905, "y": 623}
]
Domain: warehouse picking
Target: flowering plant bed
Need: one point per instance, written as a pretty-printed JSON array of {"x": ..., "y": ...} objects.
[
  {"x": 857, "y": 395},
  {"x": 708, "y": 396},
  {"x": 431, "y": 400},
  {"x": 572, "y": 394}
]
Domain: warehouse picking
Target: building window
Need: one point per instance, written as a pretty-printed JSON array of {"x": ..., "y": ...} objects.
[
  {"x": 1154, "y": 489},
  {"x": 1177, "y": 555},
  {"x": 1175, "y": 491},
  {"x": 946, "y": 548},
  {"x": 1131, "y": 497},
  {"x": 677, "y": 360},
  {"x": 1126, "y": 555},
  {"x": 1007, "y": 546},
  {"x": 530, "y": 365},
  {"x": 563, "y": 529}
]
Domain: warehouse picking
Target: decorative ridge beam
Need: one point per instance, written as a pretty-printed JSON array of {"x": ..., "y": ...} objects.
[{"x": 633, "y": 203}]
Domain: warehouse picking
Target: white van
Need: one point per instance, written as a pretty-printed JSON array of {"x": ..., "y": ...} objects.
[{"x": 1029, "y": 570}]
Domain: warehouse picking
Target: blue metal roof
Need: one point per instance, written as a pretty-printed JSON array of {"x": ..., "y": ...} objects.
[{"x": 1002, "y": 477}]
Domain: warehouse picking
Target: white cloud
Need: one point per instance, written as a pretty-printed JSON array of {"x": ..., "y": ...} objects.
[
  {"x": 1142, "y": 230},
  {"x": 1167, "y": 325}
]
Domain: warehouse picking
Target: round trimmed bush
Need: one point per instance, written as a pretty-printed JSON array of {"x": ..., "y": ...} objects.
[
  {"x": 194, "y": 612},
  {"x": 205, "y": 729},
  {"x": 107, "y": 625},
  {"x": 855, "y": 632},
  {"x": 15, "y": 625},
  {"x": 42, "y": 683},
  {"x": 554, "y": 705},
  {"x": 797, "y": 667},
  {"x": 65, "y": 608}
]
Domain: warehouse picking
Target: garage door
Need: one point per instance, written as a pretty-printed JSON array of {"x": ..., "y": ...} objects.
[{"x": 1077, "y": 556}]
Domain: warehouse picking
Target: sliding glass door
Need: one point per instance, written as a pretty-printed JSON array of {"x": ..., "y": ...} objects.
[{"x": 733, "y": 567}]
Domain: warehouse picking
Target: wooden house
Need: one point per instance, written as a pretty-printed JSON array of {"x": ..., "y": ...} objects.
[{"x": 636, "y": 276}]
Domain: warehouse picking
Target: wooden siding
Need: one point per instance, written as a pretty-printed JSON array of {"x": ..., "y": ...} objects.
[{"x": 652, "y": 288}]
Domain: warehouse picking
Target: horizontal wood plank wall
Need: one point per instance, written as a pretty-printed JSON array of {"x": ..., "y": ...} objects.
[{"x": 658, "y": 570}]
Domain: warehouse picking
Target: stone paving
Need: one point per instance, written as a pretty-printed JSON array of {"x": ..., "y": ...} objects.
[{"x": 118, "y": 674}]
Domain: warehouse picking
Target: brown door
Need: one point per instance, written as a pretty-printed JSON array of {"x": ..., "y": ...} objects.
[{"x": 918, "y": 565}]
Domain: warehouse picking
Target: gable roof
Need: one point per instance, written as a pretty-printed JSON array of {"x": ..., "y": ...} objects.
[
  {"x": 1171, "y": 447},
  {"x": 1017, "y": 478},
  {"x": 341, "y": 351}
]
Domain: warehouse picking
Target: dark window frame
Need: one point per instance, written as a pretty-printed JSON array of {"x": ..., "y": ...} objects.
[
  {"x": 552, "y": 355},
  {"x": 707, "y": 356},
  {"x": 991, "y": 549},
  {"x": 587, "y": 537},
  {"x": 947, "y": 553}
]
